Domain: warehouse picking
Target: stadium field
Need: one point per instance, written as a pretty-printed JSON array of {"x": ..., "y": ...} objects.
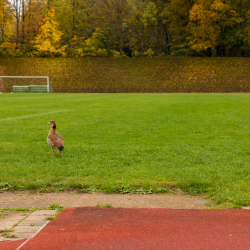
[{"x": 129, "y": 143}]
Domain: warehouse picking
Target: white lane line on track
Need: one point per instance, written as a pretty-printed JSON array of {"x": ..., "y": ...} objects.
[
  {"x": 27, "y": 116},
  {"x": 33, "y": 235}
]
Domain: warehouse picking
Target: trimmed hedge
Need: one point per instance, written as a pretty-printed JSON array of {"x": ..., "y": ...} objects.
[{"x": 157, "y": 74}]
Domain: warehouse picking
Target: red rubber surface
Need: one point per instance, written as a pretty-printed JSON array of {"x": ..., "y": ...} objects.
[
  {"x": 125, "y": 228},
  {"x": 11, "y": 245}
]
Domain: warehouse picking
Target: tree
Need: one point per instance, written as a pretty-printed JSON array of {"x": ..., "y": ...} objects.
[
  {"x": 47, "y": 42},
  {"x": 143, "y": 23},
  {"x": 245, "y": 35},
  {"x": 176, "y": 27},
  {"x": 112, "y": 17},
  {"x": 210, "y": 21},
  {"x": 241, "y": 31},
  {"x": 162, "y": 31},
  {"x": 31, "y": 20},
  {"x": 6, "y": 21},
  {"x": 72, "y": 16},
  {"x": 176, "y": 18}
]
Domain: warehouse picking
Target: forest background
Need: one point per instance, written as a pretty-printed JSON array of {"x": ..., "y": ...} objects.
[{"x": 117, "y": 28}]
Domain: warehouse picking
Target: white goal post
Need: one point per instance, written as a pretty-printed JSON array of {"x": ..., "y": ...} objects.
[{"x": 29, "y": 77}]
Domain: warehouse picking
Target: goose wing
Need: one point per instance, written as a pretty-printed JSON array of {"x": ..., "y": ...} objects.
[{"x": 56, "y": 139}]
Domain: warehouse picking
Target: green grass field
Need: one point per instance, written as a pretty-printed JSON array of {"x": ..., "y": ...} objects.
[{"x": 139, "y": 143}]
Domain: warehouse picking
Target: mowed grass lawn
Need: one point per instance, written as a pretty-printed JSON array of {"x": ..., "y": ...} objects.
[{"x": 138, "y": 143}]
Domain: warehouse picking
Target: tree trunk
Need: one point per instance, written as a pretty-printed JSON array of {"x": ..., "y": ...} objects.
[
  {"x": 48, "y": 4},
  {"x": 17, "y": 16},
  {"x": 23, "y": 21},
  {"x": 28, "y": 31},
  {"x": 17, "y": 31},
  {"x": 141, "y": 45},
  {"x": 167, "y": 40},
  {"x": 2, "y": 26},
  {"x": 73, "y": 18}
]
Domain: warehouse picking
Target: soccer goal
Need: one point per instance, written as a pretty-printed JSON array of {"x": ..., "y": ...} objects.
[{"x": 30, "y": 87}]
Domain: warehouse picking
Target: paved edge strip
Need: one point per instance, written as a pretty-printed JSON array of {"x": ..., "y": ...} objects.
[
  {"x": 24, "y": 229},
  {"x": 33, "y": 235}
]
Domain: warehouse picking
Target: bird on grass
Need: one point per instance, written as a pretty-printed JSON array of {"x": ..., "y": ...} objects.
[{"x": 55, "y": 140}]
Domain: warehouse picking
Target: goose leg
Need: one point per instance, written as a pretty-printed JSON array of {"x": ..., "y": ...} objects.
[{"x": 61, "y": 153}]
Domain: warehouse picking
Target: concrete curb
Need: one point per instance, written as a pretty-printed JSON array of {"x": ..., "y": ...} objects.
[{"x": 27, "y": 227}]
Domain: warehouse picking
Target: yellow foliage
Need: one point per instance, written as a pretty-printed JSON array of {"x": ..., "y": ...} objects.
[
  {"x": 79, "y": 50},
  {"x": 101, "y": 53},
  {"x": 95, "y": 42},
  {"x": 116, "y": 53},
  {"x": 8, "y": 49},
  {"x": 8, "y": 45},
  {"x": 208, "y": 19},
  {"x": 48, "y": 39},
  {"x": 149, "y": 53},
  {"x": 136, "y": 53},
  {"x": 64, "y": 54},
  {"x": 7, "y": 22},
  {"x": 76, "y": 41},
  {"x": 63, "y": 48}
]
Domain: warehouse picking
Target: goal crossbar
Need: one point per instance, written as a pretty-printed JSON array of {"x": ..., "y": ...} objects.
[{"x": 29, "y": 77}]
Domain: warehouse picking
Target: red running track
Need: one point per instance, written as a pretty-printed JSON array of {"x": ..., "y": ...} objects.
[
  {"x": 10, "y": 245},
  {"x": 127, "y": 228}
]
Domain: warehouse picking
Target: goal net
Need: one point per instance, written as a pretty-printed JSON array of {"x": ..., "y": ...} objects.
[{"x": 25, "y": 84}]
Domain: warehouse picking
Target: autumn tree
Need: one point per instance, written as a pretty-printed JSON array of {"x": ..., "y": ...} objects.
[
  {"x": 210, "y": 21},
  {"x": 47, "y": 42},
  {"x": 7, "y": 24},
  {"x": 17, "y": 14},
  {"x": 244, "y": 35},
  {"x": 6, "y": 21},
  {"x": 148, "y": 27},
  {"x": 72, "y": 16},
  {"x": 161, "y": 29},
  {"x": 112, "y": 17},
  {"x": 240, "y": 32},
  {"x": 143, "y": 21},
  {"x": 31, "y": 18},
  {"x": 176, "y": 18}
]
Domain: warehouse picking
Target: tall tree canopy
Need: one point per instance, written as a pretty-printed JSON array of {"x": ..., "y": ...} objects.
[
  {"x": 124, "y": 27},
  {"x": 47, "y": 41}
]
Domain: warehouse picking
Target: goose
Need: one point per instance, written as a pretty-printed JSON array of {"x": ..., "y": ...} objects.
[{"x": 55, "y": 140}]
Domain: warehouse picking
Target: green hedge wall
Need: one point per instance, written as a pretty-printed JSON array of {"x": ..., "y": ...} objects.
[{"x": 157, "y": 74}]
